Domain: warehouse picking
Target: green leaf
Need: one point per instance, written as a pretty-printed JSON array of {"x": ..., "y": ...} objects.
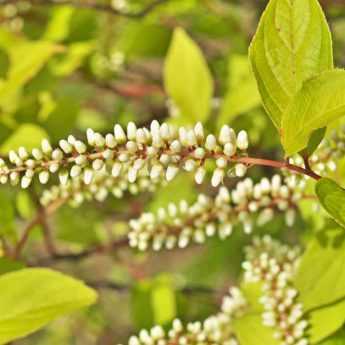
[
  {"x": 320, "y": 278},
  {"x": 314, "y": 141},
  {"x": 336, "y": 339},
  {"x": 320, "y": 101},
  {"x": 332, "y": 198},
  {"x": 58, "y": 27},
  {"x": 74, "y": 57},
  {"x": 163, "y": 300},
  {"x": 187, "y": 78},
  {"x": 292, "y": 44},
  {"x": 326, "y": 321},
  {"x": 250, "y": 331},
  {"x": 27, "y": 135},
  {"x": 30, "y": 298},
  {"x": 242, "y": 94},
  {"x": 21, "y": 70}
]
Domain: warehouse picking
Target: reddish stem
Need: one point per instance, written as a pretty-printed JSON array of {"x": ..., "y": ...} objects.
[{"x": 278, "y": 165}]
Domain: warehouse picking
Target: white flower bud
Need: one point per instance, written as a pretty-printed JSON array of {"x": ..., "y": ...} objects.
[
  {"x": 119, "y": 133},
  {"x": 242, "y": 140},
  {"x": 25, "y": 182},
  {"x": 200, "y": 175},
  {"x": 217, "y": 177},
  {"x": 131, "y": 131},
  {"x": 46, "y": 147},
  {"x": 240, "y": 170},
  {"x": 43, "y": 177},
  {"x": 171, "y": 172}
]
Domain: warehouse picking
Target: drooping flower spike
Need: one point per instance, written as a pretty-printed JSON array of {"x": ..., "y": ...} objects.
[
  {"x": 163, "y": 150},
  {"x": 274, "y": 265},
  {"x": 248, "y": 204}
]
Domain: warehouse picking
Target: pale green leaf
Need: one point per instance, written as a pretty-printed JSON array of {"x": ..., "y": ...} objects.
[
  {"x": 30, "y": 298},
  {"x": 320, "y": 278},
  {"x": 74, "y": 57},
  {"x": 58, "y": 27},
  {"x": 187, "y": 78},
  {"x": 163, "y": 300},
  {"x": 326, "y": 321},
  {"x": 26, "y": 59},
  {"x": 292, "y": 44},
  {"x": 332, "y": 198},
  {"x": 242, "y": 94},
  {"x": 250, "y": 330},
  {"x": 320, "y": 101},
  {"x": 27, "y": 135}
]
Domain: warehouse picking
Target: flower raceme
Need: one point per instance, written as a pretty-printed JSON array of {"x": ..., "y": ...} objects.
[
  {"x": 247, "y": 204},
  {"x": 162, "y": 150},
  {"x": 275, "y": 265}
]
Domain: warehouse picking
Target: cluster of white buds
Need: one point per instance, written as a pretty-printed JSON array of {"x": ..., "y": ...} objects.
[
  {"x": 75, "y": 191},
  {"x": 163, "y": 150},
  {"x": 180, "y": 224},
  {"x": 274, "y": 265},
  {"x": 215, "y": 330}
]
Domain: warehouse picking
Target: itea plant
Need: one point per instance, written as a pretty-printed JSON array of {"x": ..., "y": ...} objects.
[{"x": 290, "y": 285}]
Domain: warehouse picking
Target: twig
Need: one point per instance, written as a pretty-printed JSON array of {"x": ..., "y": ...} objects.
[
  {"x": 93, "y": 6},
  {"x": 96, "y": 250},
  {"x": 279, "y": 165},
  {"x": 37, "y": 220}
]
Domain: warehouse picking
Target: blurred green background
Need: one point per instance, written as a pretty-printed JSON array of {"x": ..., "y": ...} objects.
[{"x": 64, "y": 69}]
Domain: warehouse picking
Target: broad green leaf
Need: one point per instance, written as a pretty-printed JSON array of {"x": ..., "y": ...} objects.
[
  {"x": 332, "y": 198},
  {"x": 30, "y": 298},
  {"x": 336, "y": 339},
  {"x": 250, "y": 331},
  {"x": 291, "y": 45},
  {"x": 187, "y": 78},
  {"x": 27, "y": 135},
  {"x": 320, "y": 101},
  {"x": 320, "y": 278},
  {"x": 326, "y": 321},
  {"x": 242, "y": 94}
]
